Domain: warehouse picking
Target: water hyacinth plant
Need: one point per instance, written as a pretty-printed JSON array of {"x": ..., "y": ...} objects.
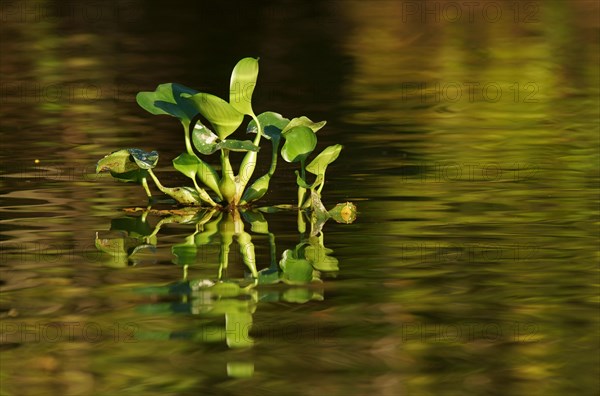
[{"x": 208, "y": 124}]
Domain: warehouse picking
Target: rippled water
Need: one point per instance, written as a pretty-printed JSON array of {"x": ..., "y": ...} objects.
[{"x": 471, "y": 150}]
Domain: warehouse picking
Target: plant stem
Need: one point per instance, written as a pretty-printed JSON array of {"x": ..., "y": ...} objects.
[
  {"x": 301, "y": 190},
  {"x": 145, "y": 184},
  {"x": 249, "y": 162},
  {"x": 188, "y": 144},
  {"x": 322, "y": 184},
  {"x": 203, "y": 194},
  {"x": 274, "y": 156},
  {"x": 156, "y": 181},
  {"x": 227, "y": 186}
]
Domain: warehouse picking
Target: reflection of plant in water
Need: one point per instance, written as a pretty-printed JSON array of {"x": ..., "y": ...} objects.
[
  {"x": 299, "y": 268},
  {"x": 295, "y": 277}
]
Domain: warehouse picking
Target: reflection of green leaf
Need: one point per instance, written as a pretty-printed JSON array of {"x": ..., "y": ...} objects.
[
  {"x": 240, "y": 369},
  {"x": 237, "y": 329},
  {"x": 241, "y": 86},
  {"x": 319, "y": 257},
  {"x": 116, "y": 247},
  {"x": 295, "y": 270},
  {"x": 268, "y": 276},
  {"x": 224, "y": 118},
  {"x": 300, "y": 141},
  {"x": 210, "y": 229},
  {"x": 298, "y": 295},
  {"x": 134, "y": 226},
  {"x": 257, "y": 221},
  {"x": 185, "y": 253}
]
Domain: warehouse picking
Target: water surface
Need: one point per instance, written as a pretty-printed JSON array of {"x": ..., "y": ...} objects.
[{"x": 470, "y": 148}]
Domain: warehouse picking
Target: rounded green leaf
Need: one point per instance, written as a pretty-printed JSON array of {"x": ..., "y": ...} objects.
[
  {"x": 166, "y": 99},
  {"x": 205, "y": 141},
  {"x": 192, "y": 166},
  {"x": 187, "y": 164},
  {"x": 304, "y": 121},
  {"x": 327, "y": 156},
  {"x": 144, "y": 159},
  {"x": 118, "y": 162},
  {"x": 300, "y": 141},
  {"x": 238, "y": 145},
  {"x": 257, "y": 190},
  {"x": 242, "y": 83},
  {"x": 183, "y": 195},
  {"x": 344, "y": 212},
  {"x": 271, "y": 122},
  {"x": 224, "y": 118},
  {"x": 304, "y": 184}
]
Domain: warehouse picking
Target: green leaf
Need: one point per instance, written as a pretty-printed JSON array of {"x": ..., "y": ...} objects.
[
  {"x": 238, "y": 145},
  {"x": 166, "y": 99},
  {"x": 205, "y": 141},
  {"x": 187, "y": 164},
  {"x": 271, "y": 122},
  {"x": 183, "y": 195},
  {"x": 327, "y": 156},
  {"x": 118, "y": 162},
  {"x": 143, "y": 159},
  {"x": 302, "y": 183},
  {"x": 224, "y": 118},
  {"x": 257, "y": 190},
  {"x": 304, "y": 121},
  {"x": 241, "y": 86},
  {"x": 296, "y": 270},
  {"x": 192, "y": 166},
  {"x": 300, "y": 141},
  {"x": 344, "y": 212}
]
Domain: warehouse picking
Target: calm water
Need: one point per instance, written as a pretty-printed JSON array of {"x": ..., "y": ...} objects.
[{"x": 471, "y": 150}]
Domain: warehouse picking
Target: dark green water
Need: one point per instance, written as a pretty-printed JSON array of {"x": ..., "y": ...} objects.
[{"x": 471, "y": 149}]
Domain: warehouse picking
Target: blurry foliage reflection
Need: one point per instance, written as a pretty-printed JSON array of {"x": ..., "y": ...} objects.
[{"x": 295, "y": 278}]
